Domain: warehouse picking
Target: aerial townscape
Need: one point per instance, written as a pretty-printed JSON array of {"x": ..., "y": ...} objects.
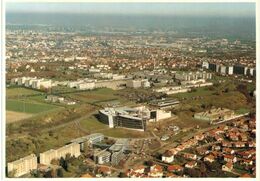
[{"x": 101, "y": 96}]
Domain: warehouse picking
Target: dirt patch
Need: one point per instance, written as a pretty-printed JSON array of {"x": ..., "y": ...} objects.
[{"x": 12, "y": 116}]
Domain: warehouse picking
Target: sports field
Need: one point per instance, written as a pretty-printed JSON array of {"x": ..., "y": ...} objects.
[
  {"x": 27, "y": 107},
  {"x": 20, "y": 91}
]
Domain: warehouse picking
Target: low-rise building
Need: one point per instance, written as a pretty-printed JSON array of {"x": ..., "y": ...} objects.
[
  {"x": 191, "y": 164},
  {"x": 175, "y": 168},
  {"x": 215, "y": 115},
  {"x": 167, "y": 156},
  {"x": 210, "y": 158},
  {"x": 102, "y": 157},
  {"x": 227, "y": 167}
]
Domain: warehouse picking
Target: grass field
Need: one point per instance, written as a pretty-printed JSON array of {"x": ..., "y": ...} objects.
[
  {"x": 27, "y": 107},
  {"x": 92, "y": 124},
  {"x": 242, "y": 110},
  {"x": 202, "y": 91},
  {"x": 102, "y": 94},
  {"x": 20, "y": 91}
]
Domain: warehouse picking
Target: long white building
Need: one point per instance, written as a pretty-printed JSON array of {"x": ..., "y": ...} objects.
[
  {"x": 73, "y": 149},
  {"x": 22, "y": 166}
]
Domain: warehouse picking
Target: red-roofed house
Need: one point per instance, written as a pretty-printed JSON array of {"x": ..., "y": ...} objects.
[
  {"x": 191, "y": 164},
  {"x": 167, "y": 157},
  {"x": 190, "y": 156},
  {"x": 104, "y": 170},
  {"x": 230, "y": 158},
  {"x": 227, "y": 167},
  {"x": 210, "y": 158},
  {"x": 228, "y": 151},
  {"x": 175, "y": 168},
  {"x": 155, "y": 171}
]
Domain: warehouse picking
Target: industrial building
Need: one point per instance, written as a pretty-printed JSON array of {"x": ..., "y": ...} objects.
[
  {"x": 22, "y": 166},
  {"x": 73, "y": 149},
  {"x": 132, "y": 118},
  {"x": 215, "y": 115}
]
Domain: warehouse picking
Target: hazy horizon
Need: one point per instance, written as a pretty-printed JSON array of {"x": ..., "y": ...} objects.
[{"x": 173, "y": 9}]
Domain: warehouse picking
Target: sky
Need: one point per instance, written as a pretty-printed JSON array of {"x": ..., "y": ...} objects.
[{"x": 190, "y": 9}]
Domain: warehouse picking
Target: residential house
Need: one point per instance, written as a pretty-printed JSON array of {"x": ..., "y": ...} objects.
[
  {"x": 175, "y": 168},
  {"x": 230, "y": 158},
  {"x": 190, "y": 156},
  {"x": 168, "y": 157},
  {"x": 227, "y": 167},
  {"x": 210, "y": 158},
  {"x": 191, "y": 164},
  {"x": 156, "y": 171}
]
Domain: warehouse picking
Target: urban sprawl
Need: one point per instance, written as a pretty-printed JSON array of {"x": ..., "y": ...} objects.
[{"x": 128, "y": 104}]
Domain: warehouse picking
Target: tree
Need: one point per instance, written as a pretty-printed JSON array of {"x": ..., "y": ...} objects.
[
  {"x": 149, "y": 163},
  {"x": 55, "y": 162},
  {"x": 60, "y": 172},
  {"x": 64, "y": 164},
  {"x": 11, "y": 174},
  {"x": 202, "y": 167},
  {"x": 122, "y": 175},
  {"x": 48, "y": 174}
]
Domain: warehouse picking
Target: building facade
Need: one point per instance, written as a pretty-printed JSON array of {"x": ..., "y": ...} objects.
[{"x": 22, "y": 166}]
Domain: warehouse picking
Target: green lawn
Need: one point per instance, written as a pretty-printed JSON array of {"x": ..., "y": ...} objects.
[
  {"x": 202, "y": 91},
  {"x": 242, "y": 111},
  {"x": 27, "y": 107},
  {"x": 97, "y": 95},
  {"x": 20, "y": 91},
  {"x": 92, "y": 124}
]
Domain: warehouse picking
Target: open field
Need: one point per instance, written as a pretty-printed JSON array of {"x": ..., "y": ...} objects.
[
  {"x": 27, "y": 107},
  {"x": 12, "y": 116},
  {"x": 92, "y": 124},
  {"x": 100, "y": 96},
  {"x": 20, "y": 91},
  {"x": 124, "y": 133}
]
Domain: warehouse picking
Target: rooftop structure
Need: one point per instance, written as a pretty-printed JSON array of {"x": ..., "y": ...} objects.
[
  {"x": 132, "y": 118},
  {"x": 218, "y": 114},
  {"x": 188, "y": 76},
  {"x": 164, "y": 103}
]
